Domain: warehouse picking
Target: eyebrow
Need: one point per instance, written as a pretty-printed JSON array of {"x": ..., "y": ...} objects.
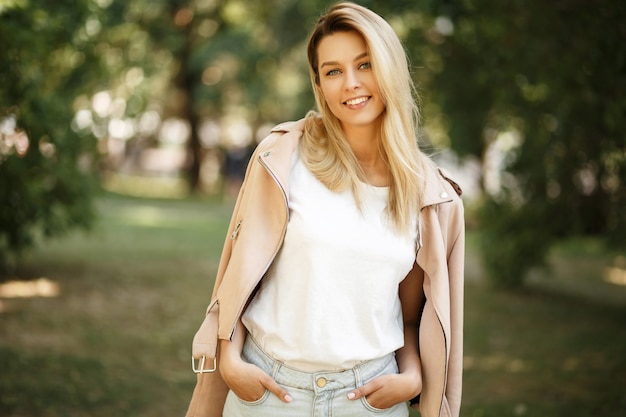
[{"x": 363, "y": 55}]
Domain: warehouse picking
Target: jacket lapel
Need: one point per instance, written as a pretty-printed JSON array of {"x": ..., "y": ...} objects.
[{"x": 277, "y": 159}]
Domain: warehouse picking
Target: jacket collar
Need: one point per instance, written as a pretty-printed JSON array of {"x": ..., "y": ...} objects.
[
  {"x": 437, "y": 190},
  {"x": 289, "y": 127},
  {"x": 276, "y": 156}
]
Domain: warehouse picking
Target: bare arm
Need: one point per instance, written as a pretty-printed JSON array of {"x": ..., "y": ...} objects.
[
  {"x": 389, "y": 390},
  {"x": 412, "y": 299}
]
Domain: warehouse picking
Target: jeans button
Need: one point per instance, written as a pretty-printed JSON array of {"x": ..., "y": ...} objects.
[{"x": 321, "y": 382}]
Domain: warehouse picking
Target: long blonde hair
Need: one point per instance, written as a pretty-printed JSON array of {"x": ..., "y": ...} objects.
[{"x": 324, "y": 147}]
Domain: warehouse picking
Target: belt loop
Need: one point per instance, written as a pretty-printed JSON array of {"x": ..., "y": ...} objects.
[{"x": 357, "y": 376}]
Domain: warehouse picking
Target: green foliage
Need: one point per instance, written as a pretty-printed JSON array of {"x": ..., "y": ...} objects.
[
  {"x": 511, "y": 245},
  {"x": 547, "y": 72},
  {"x": 552, "y": 72},
  {"x": 46, "y": 169}
]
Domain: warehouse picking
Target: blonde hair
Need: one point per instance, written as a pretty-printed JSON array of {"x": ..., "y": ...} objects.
[{"x": 324, "y": 147}]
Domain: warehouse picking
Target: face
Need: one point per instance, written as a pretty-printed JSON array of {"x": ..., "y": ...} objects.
[{"x": 347, "y": 81}]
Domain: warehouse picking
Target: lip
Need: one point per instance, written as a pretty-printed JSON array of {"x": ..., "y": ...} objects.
[{"x": 357, "y": 102}]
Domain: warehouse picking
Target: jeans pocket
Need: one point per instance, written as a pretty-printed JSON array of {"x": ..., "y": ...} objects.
[
  {"x": 254, "y": 403},
  {"x": 391, "y": 368},
  {"x": 393, "y": 411},
  {"x": 370, "y": 407}
]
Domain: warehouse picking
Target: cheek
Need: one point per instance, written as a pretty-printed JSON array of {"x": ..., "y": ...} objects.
[
  {"x": 331, "y": 87},
  {"x": 372, "y": 84},
  {"x": 328, "y": 96}
]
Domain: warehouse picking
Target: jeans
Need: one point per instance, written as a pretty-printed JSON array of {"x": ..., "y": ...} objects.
[{"x": 319, "y": 394}]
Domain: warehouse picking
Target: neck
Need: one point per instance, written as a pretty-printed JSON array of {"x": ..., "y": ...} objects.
[{"x": 365, "y": 145}]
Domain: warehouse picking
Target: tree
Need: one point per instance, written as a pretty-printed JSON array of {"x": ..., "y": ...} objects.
[
  {"x": 544, "y": 81},
  {"x": 46, "y": 167},
  {"x": 537, "y": 84}
]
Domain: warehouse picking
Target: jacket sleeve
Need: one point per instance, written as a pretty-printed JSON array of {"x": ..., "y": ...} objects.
[
  {"x": 210, "y": 392},
  {"x": 227, "y": 249},
  {"x": 456, "y": 263}
]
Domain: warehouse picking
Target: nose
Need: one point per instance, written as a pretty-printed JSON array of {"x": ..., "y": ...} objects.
[{"x": 352, "y": 81}]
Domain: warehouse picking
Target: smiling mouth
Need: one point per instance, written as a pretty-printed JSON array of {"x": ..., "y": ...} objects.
[{"x": 356, "y": 101}]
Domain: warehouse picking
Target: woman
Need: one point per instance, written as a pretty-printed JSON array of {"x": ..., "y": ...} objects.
[{"x": 339, "y": 291}]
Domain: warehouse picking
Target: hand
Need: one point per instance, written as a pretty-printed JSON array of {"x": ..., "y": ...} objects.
[
  {"x": 249, "y": 382},
  {"x": 388, "y": 390}
]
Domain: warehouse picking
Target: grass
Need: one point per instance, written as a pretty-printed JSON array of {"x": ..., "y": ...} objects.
[{"x": 116, "y": 339}]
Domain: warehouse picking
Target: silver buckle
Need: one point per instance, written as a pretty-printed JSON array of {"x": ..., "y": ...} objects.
[{"x": 201, "y": 369}]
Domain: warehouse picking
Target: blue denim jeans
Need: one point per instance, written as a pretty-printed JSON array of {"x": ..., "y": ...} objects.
[{"x": 319, "y": 394}]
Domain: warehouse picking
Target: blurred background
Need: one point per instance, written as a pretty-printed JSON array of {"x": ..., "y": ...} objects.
[{"x": 125, "y": 129}]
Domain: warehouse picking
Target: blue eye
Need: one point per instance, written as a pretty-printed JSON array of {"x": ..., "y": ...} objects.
[
  {"x": 333, "y": 72},
  {"x": 365, "y": 65}
]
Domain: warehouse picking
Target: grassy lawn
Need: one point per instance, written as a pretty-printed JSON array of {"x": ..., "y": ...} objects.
[{"x": 114, "y": 338}]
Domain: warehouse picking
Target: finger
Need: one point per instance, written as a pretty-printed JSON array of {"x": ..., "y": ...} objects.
[
  {"x": 363, "y": 391},
  {"x": 273, "y": 387}
]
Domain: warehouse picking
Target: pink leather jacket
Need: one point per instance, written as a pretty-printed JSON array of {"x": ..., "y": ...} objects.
[{"x": 255, "y": 235}]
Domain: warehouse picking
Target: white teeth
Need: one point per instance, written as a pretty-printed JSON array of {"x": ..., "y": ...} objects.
[{"x": 356, "y": 101}]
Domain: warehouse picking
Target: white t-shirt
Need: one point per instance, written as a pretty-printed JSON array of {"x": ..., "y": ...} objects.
[{"x": 330, "y": 299}]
